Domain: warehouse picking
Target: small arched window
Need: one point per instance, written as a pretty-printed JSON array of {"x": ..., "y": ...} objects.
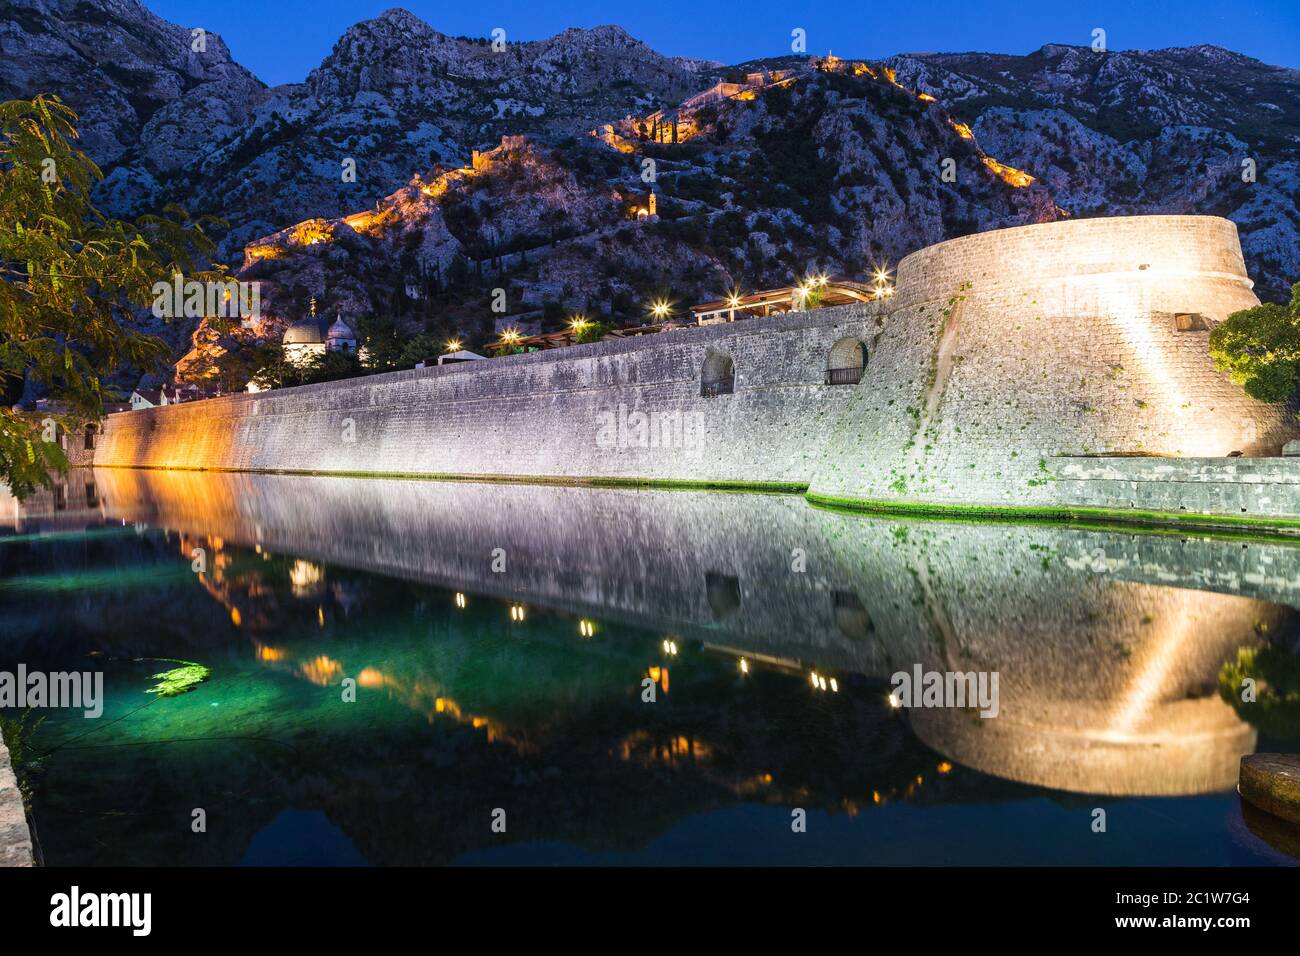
[
  {"x": 718, "y": 375},
  {"x": 846, "y": 361}
]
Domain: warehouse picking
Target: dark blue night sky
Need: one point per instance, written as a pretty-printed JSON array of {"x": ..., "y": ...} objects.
[{"x": 282, "y": 41}]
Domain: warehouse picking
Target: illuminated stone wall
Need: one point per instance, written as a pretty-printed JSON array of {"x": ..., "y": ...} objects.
[
  {"x": 1007, "y": 350},
  {"x": 1004, "y": 358},
  {"x": 627, "y": 408}
]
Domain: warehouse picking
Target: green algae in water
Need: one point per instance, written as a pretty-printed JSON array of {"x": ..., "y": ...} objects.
[{"x": 180, "y": 680}]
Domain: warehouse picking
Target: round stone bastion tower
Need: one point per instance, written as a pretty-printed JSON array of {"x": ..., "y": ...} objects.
[{"x": 1057, "y": 365}]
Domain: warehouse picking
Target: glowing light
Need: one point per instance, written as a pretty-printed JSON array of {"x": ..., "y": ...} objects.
[
  {"x": 578, "y": 323},
  {"x": 744, "y": 666},
  {"x": 305, "y": 577},
  {"x": 733, "y": 300},
  {"x": 961, "y": 129},
  {"x": 1008, "y": 174},
  {"x": 454, "y": 345},
  {"x": 517, "y": 613},
  {"x": 586, "y": 628},
  {"x": 670, "y": 648},
  {"x": 926, "y": 97},
  {"x": 460, "y": 600},
  {"x": 835, "y": 687},
  {"x": 510, "y": 336},
  {"x": 311, "y": 232},
  {"x": 235, "y": 617},
  {"x": 813, "y": 678},
  {"x": 944, "y": 767},
  {"x": 660, "y": 309}
]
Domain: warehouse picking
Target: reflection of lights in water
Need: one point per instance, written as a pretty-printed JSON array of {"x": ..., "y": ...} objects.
[
  {"x": 235, "y": 617},
  {"x": 517, "y": 613},
  {"x": 586, "y": 628},
  {"x": 744, "y": 666},
  {"x": 670, "y": 648},
  {"x": 660, "y": 676},
  {"x": 305, "y": 577},
  {"x": 1151, "y": 678},
  {"x": 322, "y": 671},
  {"x": 320, "y": 616},
  {"x": 819, "y": 682},
  {"x": 460, "y": 600}
]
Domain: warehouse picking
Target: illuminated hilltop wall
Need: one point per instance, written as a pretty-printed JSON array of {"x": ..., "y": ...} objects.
[{"x": 1043, "y": 366}]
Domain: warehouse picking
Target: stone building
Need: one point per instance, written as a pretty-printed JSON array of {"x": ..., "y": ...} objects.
[{"x": 307, "y": 339}]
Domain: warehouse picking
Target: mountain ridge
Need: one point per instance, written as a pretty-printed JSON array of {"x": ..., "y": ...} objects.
[{"x": 837, "y": 170}]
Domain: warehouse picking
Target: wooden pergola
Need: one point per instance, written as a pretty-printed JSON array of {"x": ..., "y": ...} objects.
[
  {"x": 835, "y": 291},
  {"x": 566, "y": 337}
]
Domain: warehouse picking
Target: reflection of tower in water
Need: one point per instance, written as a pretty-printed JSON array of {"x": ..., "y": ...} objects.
[{"x": 1123, "y": 703}]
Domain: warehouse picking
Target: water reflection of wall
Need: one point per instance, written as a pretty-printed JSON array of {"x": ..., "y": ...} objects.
[{"x": 1107, "y": 652}]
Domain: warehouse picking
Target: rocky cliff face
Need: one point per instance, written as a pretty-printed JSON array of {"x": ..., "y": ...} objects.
[
  {"x": 838, "y": 170},
  {"x": 1165, "y": 131}
]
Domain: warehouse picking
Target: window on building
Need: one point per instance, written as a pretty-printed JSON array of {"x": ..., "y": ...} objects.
[
  {"x": 723, "y": 591},
  {"x": 718, "y": 375},
  {"x": 1190, "y": 322},
  {"x": 846, "y": 361},
  {"x": 90, "y": 438}
]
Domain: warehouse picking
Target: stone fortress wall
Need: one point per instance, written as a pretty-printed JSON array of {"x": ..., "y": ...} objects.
[
  {"x": 627, "y": 408},
  {"x": 1012, "y": 357},
  {"x": 1061, "y": 365}
]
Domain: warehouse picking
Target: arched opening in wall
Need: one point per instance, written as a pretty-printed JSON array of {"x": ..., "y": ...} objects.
[
  {"x": 846, "y": 361},
  {"x": 718, "y": 375},
  {"x": 90, "y": 438},
  {"x": 851, "y": 618},
  {"x": 723, "y": 591}
]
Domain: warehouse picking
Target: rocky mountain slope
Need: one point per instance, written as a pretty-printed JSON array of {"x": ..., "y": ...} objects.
[
  {"x": 842, "y": 167},
  {"x": 1165, "y": 131}
]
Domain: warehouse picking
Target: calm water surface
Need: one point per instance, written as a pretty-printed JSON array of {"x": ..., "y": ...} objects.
[{"x": 500, "y": 638}]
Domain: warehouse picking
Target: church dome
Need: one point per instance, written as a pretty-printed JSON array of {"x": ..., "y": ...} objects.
[
  {"x": 303, "y": 332},
  {"x": 340, "y": 330}
]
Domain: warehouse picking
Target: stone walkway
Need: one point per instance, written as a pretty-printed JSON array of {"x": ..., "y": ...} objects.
[{"x": 15, "y": 840}]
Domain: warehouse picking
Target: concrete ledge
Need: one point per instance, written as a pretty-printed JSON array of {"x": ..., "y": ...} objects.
[
  {"x": 1273, "y": 471},
  {"x": 15, "y": 838},
  {"x": 1272, "y": 783},
  {"x": 661, "y": 484},
  {"x": 1251, "y": 525}
]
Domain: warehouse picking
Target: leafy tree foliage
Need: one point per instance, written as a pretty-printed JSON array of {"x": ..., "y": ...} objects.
[
  {"x": 70, "y": 280},
  {"x": 1259, "y": 348}
]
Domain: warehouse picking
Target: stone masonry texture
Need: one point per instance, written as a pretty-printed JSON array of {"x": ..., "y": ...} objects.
[{"x": 1004, "y": 357}]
